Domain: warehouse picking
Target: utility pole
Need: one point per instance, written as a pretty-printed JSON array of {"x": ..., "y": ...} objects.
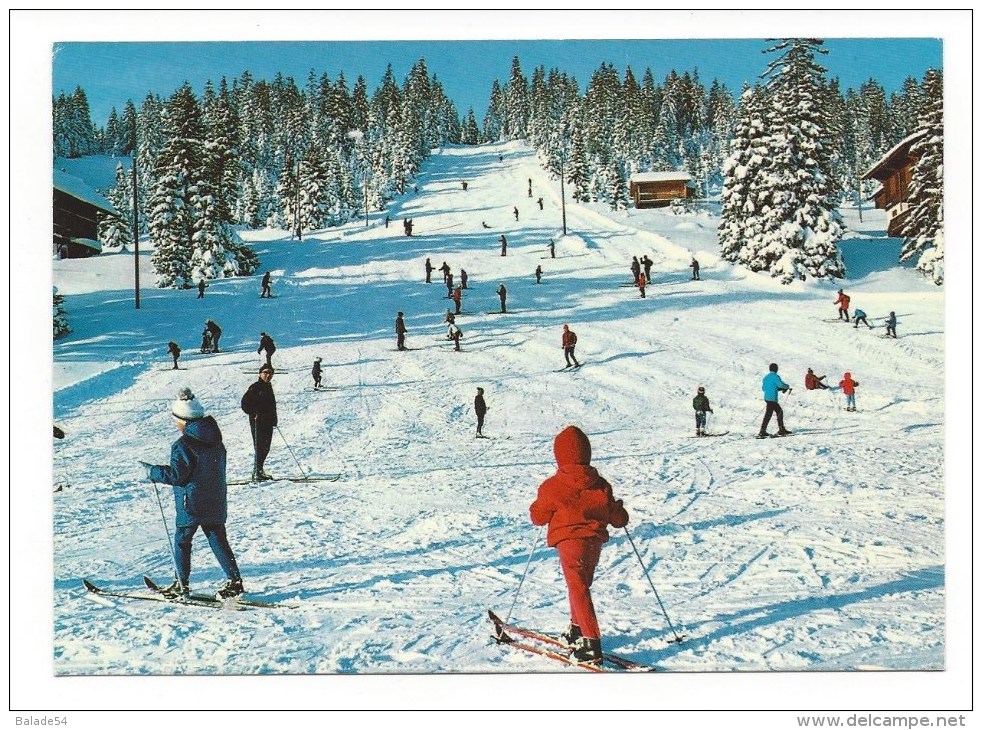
[{"x": 136, "y": 233}]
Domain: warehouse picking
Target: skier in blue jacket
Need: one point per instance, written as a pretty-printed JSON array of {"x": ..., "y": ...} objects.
[
  {"x": 772, "y": 385},
  {"x": 197, "y": 473}
]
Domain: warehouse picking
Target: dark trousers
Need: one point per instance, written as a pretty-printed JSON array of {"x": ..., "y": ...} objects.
[
  {"x": 773, "y": 407},
  {"x": 175, "y": 361},
  {"x": 569, "y": 353},
  {"x": 183, "y": 537},
  {"x": 480, "y": 423},
  {"x": 262, "y": 439},
  {"x": 401, "y": 341}
]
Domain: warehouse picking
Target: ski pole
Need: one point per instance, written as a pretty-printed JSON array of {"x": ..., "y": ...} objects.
[
  {"x": 305, "y": 476},
  {"x": 678, "y": 639},
  {"x": 524, "y": 573},
  {"x": 170, "y": 543}
]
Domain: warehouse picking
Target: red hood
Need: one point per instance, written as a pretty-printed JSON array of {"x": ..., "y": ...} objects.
[{"x": 572, "y": 447}]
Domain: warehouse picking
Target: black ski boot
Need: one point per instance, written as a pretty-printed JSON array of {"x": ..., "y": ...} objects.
[
  {"x": 176, "y": 590},
  {"x": 588, "y": 651},
  {"x": 231, "y": 589},
  {"x": 571, "y": 635}
]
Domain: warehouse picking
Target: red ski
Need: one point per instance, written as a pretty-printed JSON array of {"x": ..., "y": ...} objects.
[{"x": 554, "y": 648}]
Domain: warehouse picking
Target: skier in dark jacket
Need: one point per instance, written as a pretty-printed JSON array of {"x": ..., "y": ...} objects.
[
  {"x": 646, "y": 262},
  {"x": 197, "y": 473},
  {"x": 216, "y": 333},
  {"x": 266, "y": 343},
  {"x": 429, "y": 270},
  {"x": 259, "y": 402},
  {"x": 463, "y": 279},
  {"x": 892, "y": 325},
  {"x": 315, "y": 373},
  {"x": 569, "y": 346},
  {"x": 635, "y": 269},
  {"x": 578, "y": 504},
  {"x": 175, "y": 352},
  {"x": 267, "y": 292},
  {"x": 701, "y": 405},
  {"x": 538, "y": 274},
  {"x": 446, "y": 271},
  {"x": 502, "y": 295},
  {"x": 201, "y": 288},
  {"x": 400, "y": 332},
  {"x": 695, "y": 269},
  {"x": 504, "y": 245},
  {"x": 480, "y": 408}
]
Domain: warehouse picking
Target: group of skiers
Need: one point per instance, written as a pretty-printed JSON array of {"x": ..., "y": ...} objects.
[{"x": 859, "y": 316}]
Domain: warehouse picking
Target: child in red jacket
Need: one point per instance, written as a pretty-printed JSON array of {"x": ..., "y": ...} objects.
[
  {"x": 848, "y": 386},
  {"x": 578, "y": 504}
]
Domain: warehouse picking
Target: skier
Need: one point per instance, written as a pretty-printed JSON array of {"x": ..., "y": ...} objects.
[
  {"x": 530, "y": 192},
  {"x": 484, "y": 225},
  {"x": 814, "y": 382},
  {"x": 695, "y": 269},
  {"x": 259, "y": 402},
  {"x": 266, "y": 343},
  {"x": 569, "y": 346},
  {"x": 502, "y": 295},
  {"x": 892, "y": 325},
  {"x": 429, "y": 270},
  {"x": 538, "y": 274},
  {"x": 848, "y": 386},
  {"x": 197, "y": 473},
  {"x": 539, "y": 201},
  {"x": 387, "y": 221},
  {"x": 504, "y": 245},
  {"x": 463, "y": 184},
  {"x": 446, "y": 271},
  {"x": 201, "y": 288},
  {"x": 456, "y": 299},
  {"x": 267, "y": 292},
  {"x": 860, "y": 316},
  {"x": 463, "y": 279},
  {"x": 635, "y": 269},
  {"x": 515, "y": 211},
  {"x": 771, "y": 385},
  {"x": 207, "y": 344},
  {"x": 315, "y": 373},
  {"x": 454, "y": 333},
  {"x": 216, "y": 334},
  {"x": 646, "y": 262},
  {"x": 480, "y": 408},
  {"x": 552, "y": 249},
  {"x": 449, "y": 282},
  {"x": 175, "y": 352},
  {"x": 701, "y": 405},
  {"x": 578, "y": 504},
  {"x": 400, "y": 332},
  {"x": 642, "y": 283},
  {"x": 843, "y": 302}
]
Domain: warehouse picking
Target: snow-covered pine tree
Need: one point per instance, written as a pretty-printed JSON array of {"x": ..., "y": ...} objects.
[
  {"x": 208, "y": 260},
  {"x": 59, "y": 315},
  {"x": 801, "y": 224},
  {"x": 517, "y": 103},
  {"x": 924, "y": 227},
  {"x": 471, "y": 134},
  {"x": 739, "y": 225},
  {"x": 494, "y": 117},
  {"x": 116, "y": 232}
]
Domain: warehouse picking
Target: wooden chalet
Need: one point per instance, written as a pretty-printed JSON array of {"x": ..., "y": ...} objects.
[
  {"x": 656, "y": 189},
  {"x": 893, "y": 172},
  {"x": 77, "y": 210}
]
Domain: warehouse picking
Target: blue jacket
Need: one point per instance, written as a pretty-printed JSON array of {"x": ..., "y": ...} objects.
[
  {"x": 771, "y": 385},
  {"x": 197, "y": 473}
]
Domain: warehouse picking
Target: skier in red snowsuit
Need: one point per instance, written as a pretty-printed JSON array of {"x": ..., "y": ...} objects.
[
  {"x": 843, "y": 302},
  {"x": 578, "y": 504}
]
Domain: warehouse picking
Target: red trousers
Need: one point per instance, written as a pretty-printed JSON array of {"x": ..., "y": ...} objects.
[{"x": 578, "y": 558}]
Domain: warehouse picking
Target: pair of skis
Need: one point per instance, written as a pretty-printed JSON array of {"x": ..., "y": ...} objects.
[
  {"x": 536, "y": 642},
  {"x": 301, "y": 480},
  {"x": 198, "y": 600}
]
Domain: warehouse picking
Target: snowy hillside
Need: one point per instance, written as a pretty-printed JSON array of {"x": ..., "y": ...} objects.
[{"x": 824, "y": 551}]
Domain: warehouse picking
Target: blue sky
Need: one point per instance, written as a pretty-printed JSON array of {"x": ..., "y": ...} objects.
[{"x": 112, "y": 72}]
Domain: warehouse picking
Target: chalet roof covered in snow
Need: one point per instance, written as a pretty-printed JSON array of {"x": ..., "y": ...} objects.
[
  {"x": 894, "y": 157},
  {"x": 76, "y": 188},
  {"x": 644, "y": 177}
]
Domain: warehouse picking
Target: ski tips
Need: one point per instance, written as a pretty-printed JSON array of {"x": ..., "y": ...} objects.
[{"x": 677, "y": 639}]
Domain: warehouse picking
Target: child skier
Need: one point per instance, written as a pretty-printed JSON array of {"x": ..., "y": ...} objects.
[
  {"x": 848, "y": 386},
  {"x": 814, "y": 382},
  {"x": 701, "y": 405},
  {"x": 892, "y": 325},
  {"x": 860, "y": 316},
  {"x": 843, "y": 302},
  {"x": 578, "y": 504},
  {"x": 175, "y": 352},
  {"x": 454, "y": 333},
  {"x": 315, "y": 373},
  {"x": 207, "y": 344}
]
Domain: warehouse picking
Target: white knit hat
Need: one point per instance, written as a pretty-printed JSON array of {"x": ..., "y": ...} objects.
[{"x": 187, "y": 407}]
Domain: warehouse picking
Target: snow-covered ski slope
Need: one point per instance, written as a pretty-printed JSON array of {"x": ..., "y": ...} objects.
[{"x": 823, "y": 551}]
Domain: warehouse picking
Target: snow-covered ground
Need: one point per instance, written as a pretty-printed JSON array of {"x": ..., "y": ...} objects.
[{"x": 816, "y": 553}]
